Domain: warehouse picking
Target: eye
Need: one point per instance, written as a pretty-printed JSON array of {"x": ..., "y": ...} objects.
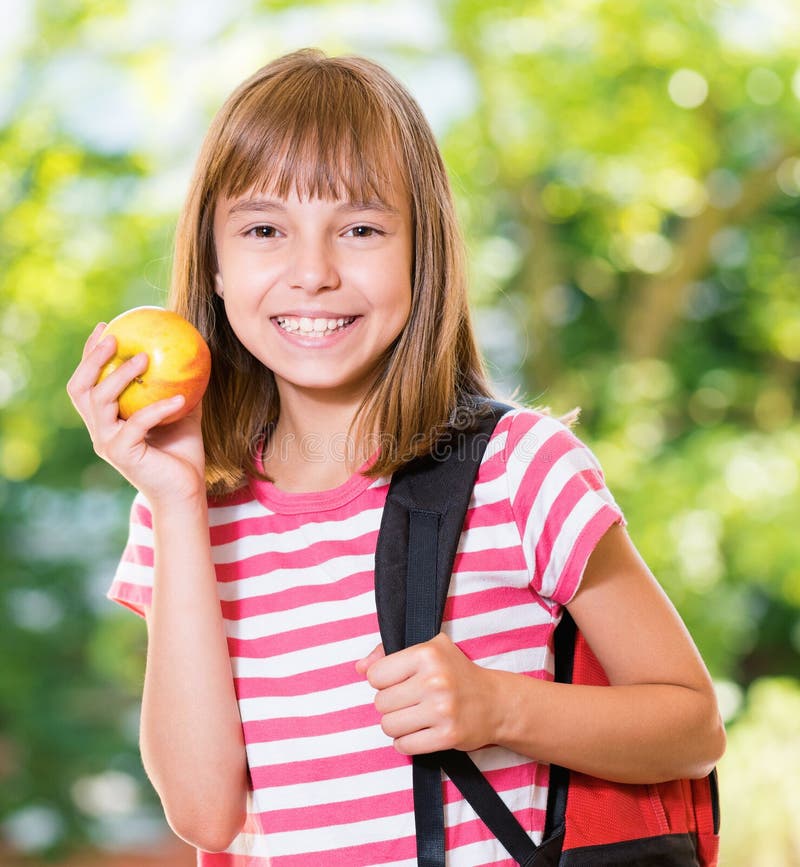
[
  {"x": 364, "y": 231},
  {"x": 263, "y": 232}
]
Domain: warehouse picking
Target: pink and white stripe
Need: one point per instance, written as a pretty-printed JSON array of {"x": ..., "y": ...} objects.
[{"x": 295, "y": 578}]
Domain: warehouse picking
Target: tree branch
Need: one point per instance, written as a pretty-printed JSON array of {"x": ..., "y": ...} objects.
[{"x": 661, "y": 299}]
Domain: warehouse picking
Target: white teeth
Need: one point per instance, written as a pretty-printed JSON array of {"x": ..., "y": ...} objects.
[{"x": 317, "y": 327}]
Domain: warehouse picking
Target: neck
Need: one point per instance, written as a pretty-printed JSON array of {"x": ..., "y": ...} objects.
[{"x": 312, "y": 447}]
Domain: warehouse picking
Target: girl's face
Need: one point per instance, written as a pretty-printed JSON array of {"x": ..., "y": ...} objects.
[{"x": 317, "y": 290}]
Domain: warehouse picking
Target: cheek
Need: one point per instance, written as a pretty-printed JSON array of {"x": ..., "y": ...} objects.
[
  {"x": 398, "y": 315},
  {"x": 246, "y": 280},
  {"x": 406, "y": 308}
]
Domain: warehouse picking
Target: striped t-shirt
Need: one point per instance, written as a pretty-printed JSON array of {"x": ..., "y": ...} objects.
[{"x": 295, "y": 579}]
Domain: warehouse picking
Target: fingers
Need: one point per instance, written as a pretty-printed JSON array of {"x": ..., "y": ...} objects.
[
  {"x": 384, "y": 671},
  {"x": 120, "y": 377},
  {"x": 95, "y": 354},
  {"x": 363, "y": 664},
  {"x": 84, "y": 388},
  {"x": 97, "y": 402},
  {"x": 422, "y": 741},
  {"x": 431, "y": 697},
  {"x": 158, "y": 457},
  {"x": 420, "y": 722},
  {"x": 413, "y": 732},
  {"x": 152, "y": 415},
  {"x": 117, "y": 440},
  {"x": 94, "y": 338},
  {"x": 402, "y": 695}
]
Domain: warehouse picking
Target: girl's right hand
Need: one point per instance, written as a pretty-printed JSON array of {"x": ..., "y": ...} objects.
[{"x": 167, "y": 464}]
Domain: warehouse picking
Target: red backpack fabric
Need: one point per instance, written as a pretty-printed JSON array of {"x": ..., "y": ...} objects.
[{"x": 604, "y": 823}]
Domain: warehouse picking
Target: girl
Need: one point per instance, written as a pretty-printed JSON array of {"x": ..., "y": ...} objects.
[{"x": 318, "y": 253}]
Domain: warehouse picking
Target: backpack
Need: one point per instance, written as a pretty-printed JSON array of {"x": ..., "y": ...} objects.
[{"x": 588, "y": 821}]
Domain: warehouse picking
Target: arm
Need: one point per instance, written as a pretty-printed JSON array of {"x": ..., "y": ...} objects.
[
  {"x": 191, "y": 736},
  {"x": 657, "y": 721}
]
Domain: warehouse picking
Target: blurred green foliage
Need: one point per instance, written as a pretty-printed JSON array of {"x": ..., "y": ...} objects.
[{"x": 628, "y": 175}]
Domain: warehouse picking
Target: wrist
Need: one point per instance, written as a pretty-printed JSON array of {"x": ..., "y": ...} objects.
[
  {"x": 508, "y": 691},
  {"x": 178, "y": 506},
  {"x": 498, "y": 710}
]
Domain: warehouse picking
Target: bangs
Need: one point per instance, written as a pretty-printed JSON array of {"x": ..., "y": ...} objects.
[{"x": 322, "y": 134}]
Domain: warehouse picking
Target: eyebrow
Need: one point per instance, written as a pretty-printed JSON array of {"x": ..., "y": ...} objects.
[{"x": 250, "y": 205}]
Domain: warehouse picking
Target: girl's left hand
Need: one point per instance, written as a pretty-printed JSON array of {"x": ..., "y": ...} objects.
[{"x": 432, "y": 697}]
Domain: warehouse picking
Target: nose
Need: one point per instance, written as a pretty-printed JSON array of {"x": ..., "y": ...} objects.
[{"x": 312, "y": 266}]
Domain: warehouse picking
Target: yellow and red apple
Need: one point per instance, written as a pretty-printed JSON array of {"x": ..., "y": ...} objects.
[{"x": 179, "y": 361}]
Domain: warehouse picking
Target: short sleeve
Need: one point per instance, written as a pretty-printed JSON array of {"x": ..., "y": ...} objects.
[
  {"x": 132, "y": 585},
  {"x": 559, "y": 501}
]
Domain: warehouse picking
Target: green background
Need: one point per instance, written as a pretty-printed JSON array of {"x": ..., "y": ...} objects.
[{"x": 628, "y": 176}]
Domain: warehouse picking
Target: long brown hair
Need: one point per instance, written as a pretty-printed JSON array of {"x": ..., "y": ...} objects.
[{"x": 330, "y": 127}]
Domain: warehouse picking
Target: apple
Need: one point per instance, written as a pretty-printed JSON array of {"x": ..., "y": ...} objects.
[{"x": 179, "y": 361}]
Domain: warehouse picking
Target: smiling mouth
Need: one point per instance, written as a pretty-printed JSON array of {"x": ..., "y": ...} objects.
[{"x": 317, "y": 327}]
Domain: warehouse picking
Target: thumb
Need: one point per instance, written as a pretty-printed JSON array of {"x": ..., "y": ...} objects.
[{"x": 363, "y": 664}]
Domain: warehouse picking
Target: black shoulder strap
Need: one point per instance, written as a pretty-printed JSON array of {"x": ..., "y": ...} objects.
[
  {"x": 439, "y": 484},
  {"x": 418, "y": 540}
]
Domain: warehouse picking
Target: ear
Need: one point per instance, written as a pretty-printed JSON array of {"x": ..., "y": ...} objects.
[{"x": 220, "y": 289}]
